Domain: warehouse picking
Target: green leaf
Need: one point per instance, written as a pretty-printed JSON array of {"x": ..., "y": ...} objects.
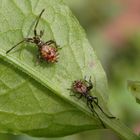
[
  {"x": 35, "y": 109},
  {"x": 28, "y": 107},
  {"x": 34, "y": 98},
  {"x": 134, "y": 87}
]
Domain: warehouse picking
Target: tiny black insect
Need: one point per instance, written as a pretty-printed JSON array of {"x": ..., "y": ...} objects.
[
  {"x": 83, "y": 87},
  {"x": 47, "y": 50}
]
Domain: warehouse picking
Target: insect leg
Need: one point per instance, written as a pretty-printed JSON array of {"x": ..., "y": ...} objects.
[
  {"x": 90, "y": 84},
  {"x": 95, "y": 99},
  {"x": 80, "y": 96},
  {"x": 24, "y": 40},
  {"x": 38, "y": 59},
  {"x": 41, "y": 33},
  {"x": 15, "y": 46},
  {"x": 51, "y": 42},
  {"x": 111, "y": 117}
]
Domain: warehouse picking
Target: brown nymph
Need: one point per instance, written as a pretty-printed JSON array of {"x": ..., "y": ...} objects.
[{"x": 48, "y": 51}]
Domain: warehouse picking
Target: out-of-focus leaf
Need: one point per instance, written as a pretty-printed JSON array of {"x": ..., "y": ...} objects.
[{"x": 134, "y": 87}]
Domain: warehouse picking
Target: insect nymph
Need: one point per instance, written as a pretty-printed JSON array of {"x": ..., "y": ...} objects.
[
  {"x": 48, "y": 51},
  {"x": 81, "y": 88}
]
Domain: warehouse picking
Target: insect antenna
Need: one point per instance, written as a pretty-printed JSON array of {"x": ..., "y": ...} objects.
[
  {"x": 90, "y": 106},
  {"x": 37, "y": 21},
  {"x": 111, "y": 117},
  {"x": 15, "y": 46}
]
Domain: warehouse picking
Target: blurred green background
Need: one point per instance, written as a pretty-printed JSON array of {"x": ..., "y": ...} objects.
[{"x": 112, "y": 28}]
